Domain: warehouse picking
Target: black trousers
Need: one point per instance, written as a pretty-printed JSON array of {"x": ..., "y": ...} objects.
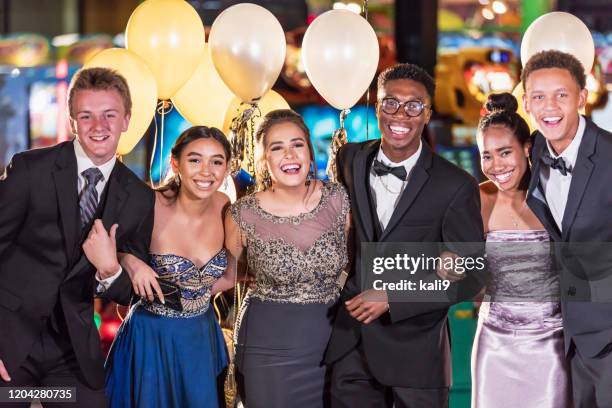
[
  {"x": 353, "y": 385},
  {"x": 52, "y": 363},
  {"x": 591, "y": 378}
]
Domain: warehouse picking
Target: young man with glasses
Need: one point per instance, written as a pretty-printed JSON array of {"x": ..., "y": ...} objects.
[{"x": 385, "y": 349}]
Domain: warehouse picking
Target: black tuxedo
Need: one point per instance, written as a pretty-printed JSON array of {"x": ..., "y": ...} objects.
[
  {"x": 587, "y": 218},
  {"x": 46, "y": 282},
  {"x": 409, "y": 346}
]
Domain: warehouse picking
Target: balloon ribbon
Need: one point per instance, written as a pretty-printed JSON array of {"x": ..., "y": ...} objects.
[
  {"x": 242, "y": 140},
  {"x": 338, "y": 140},
  {"x": 163, "y": 108}
]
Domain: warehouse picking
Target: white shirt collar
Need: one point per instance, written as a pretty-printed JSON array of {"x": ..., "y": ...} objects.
[
  {"x": 84, "y": 162},
  {"x": 570, "y": 154},
  {"x": 407, "y": 163}
]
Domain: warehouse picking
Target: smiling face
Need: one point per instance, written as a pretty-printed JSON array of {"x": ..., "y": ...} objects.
[
  {"x": 287, "y": 155},
  {"x": 401, "y": 134},
  {"x": 552, "y": 99},
  {"x": 98, "y": 118},
  {"x": 503, "y": 160},
  {"x": 202, "y": 167}
]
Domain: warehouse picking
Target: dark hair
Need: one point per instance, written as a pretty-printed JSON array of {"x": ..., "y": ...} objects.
[
  {"x": 271, "y": 119},
  {"x": 555, "y": 59},
  {"x": 99, "y": 79},
  {"x": 173, "y": 185},
  {"x": 502, "y": 111},
  {"x": 407, "y": 71}
]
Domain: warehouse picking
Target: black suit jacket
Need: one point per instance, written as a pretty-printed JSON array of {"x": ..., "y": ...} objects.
[
  {"x": 409, "y": 346},
  {"x": 41, "y": 260},
  {"x": 585, "y": 268}
]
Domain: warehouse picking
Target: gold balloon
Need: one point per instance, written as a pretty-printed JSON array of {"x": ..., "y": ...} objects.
[
  {"x": 203, "y": 100},
  {"x": 340, "y": 54},
  {"x": 271, "y": 101},
  {"x": 169, "y": 36},
  {"x": 143, "y": 90},
  {"x": 247, "y": 46}
]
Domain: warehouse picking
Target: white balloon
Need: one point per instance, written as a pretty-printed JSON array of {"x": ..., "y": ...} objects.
[
  {"x": 247, "y": 45},
  {"x": 559, "y": 31},
  {"x": 340, "y": 54}
]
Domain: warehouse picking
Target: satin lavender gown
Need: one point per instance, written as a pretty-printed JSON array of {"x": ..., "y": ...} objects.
[{"x": 518, "y": 355}]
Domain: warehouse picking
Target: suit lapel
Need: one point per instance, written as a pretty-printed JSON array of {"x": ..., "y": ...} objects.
[
  {"x": 580, "y": 177},
  {"x": 115, "y": 199},
  {"x": 66, "y": 187},
  {"x": 418, "y": 178},
  {"x": 361, "y": 183},
  {"x": 535, "y": 196},
  {"x": 116, "y": 195}
]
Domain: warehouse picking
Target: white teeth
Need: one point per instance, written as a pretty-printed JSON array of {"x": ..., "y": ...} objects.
[
  {"x": 290, "y": 167},
  {"x": 204, "y": 184},
  {"x": 502, "y": 178},
  {"x": 98, "y": 138},
  {"x": 399, "y": 129},
  {"x": 552, "y": 119}
]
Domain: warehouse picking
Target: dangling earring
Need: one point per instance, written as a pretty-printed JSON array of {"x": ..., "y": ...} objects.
[
  {"x": 177, "y": 180},
  {"x": 311, "y": 175},
  {"x": 225, "y": 183}
]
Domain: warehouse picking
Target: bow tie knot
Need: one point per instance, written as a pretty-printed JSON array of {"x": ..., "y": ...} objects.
[
  {"x": 556, "y": 163},
  {"x": 381, "y": 169}
]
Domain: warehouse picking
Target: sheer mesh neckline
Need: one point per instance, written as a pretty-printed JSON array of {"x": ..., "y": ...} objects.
[{"x": 294, "y": 219}]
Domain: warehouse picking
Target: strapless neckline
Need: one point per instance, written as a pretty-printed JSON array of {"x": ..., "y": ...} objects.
[{"x": 219, "y": 254}]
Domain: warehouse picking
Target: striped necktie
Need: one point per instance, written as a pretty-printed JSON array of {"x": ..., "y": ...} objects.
[{"x": 88, "y": 201}]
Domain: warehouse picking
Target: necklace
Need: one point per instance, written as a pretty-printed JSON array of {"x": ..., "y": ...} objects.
[
  {"x": 386, "y": 187},
  {"x": 516, "y": 220}
]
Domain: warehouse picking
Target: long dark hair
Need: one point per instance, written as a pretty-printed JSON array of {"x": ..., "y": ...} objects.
[
  {"x": 271, "y": 119},
  {"x": 502, "y": 111},
  {"x": 172, "y": 185}
]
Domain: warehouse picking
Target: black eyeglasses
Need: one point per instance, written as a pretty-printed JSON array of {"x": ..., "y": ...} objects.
[{"x": 412, "y": 108}]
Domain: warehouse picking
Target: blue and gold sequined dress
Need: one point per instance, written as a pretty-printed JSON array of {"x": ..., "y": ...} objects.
[
  {"x": 164, "y": 358},
  {"x": 286, "y": 319}
]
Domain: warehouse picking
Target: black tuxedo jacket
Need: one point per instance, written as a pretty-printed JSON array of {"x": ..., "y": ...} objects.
[
  {"x": 41, "y": 260},
  {"x": 585, "y": 269},
  {"x": 409, "y": 346}
]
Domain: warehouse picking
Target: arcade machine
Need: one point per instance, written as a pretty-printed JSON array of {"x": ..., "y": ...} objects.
[{"x": 464, "y": 79}]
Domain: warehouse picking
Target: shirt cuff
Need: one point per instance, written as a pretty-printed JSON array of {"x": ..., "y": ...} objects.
[{"x": 104, "y": 284}]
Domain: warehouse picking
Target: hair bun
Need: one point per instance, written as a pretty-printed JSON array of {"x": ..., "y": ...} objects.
[{"x": 501, "y": 102}]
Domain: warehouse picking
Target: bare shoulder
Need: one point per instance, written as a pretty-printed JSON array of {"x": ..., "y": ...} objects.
[
  {"x": 221, "y": 201},
  {"x": 488, "y": 194},
  {"x": 487, "y": 190},
  {"x": 163, "y": 199}
]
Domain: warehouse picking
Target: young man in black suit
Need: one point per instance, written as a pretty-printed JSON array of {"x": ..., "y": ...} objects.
[
  {"x": 570, "y": 192},
  {"x": 386, "y": 349},
  {"x": 49, "y": 199}
]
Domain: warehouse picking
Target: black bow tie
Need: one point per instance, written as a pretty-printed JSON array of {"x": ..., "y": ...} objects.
[
  {"x": 381, "y": 169},
  {"x": 556, "y": 163}
]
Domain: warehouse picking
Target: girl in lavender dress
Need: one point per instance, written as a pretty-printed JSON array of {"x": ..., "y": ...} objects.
[{"x": 518, "y": 356}]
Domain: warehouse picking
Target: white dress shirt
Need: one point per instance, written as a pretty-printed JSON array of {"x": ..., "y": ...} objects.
[
  {"x": 386, "y": 190},
  {"x": 84, "y": 163},
  {"x": 554, "y": 184}
]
